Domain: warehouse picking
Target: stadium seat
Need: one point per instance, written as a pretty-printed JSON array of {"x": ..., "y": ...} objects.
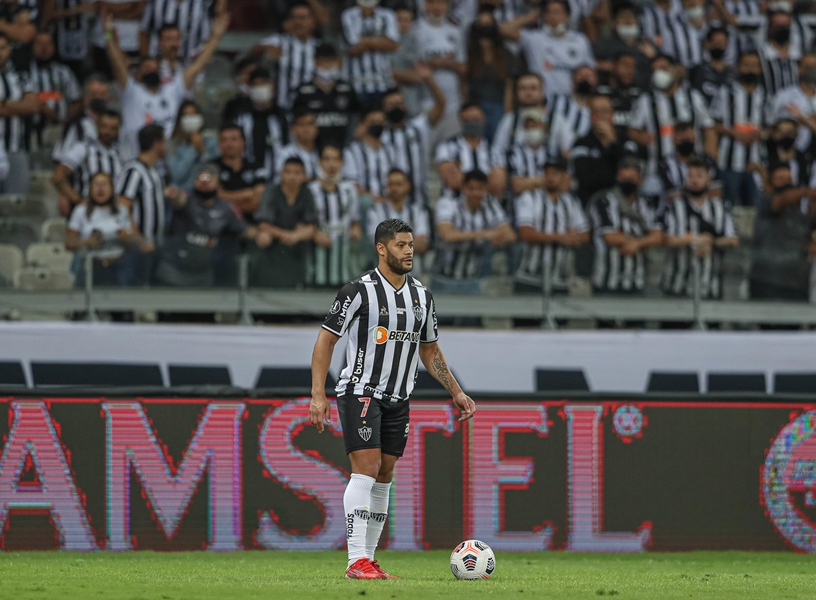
[
  {"x": 52, "y": 256},
  {"x": 14, "y": 205},
  {"x": 560, "y": 380},
  {"x": 53, "y": 230},
  {"x": 113, "y": 374},
  {"x": 290, "y": 377},
  {"x": 19, "y": 232},
  {"x": 40, "y": 183},
  {"x": 199, "y": 375},
  {"x": 11, "y": 373},
  {"x": 11, "y": 261},
  {"x": 795, "y": 383},
  {"x": 744, "y": 218},
  {"x": 660, "y": 381},
  {"x": 736, "y": 382},
  {"x": 43, "y": 279}
]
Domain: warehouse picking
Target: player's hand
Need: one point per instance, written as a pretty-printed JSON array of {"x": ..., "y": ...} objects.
[
  {"x": 466, "y": 406},
  {"x": 320, "y": 410}
]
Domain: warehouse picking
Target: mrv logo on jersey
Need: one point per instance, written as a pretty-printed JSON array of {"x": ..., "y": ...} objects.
[{"x": 382, "y": 335}]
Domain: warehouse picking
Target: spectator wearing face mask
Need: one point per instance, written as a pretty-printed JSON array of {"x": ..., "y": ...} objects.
[
  {"x": 330, "y": 98},
  {"x": 711, "y": 75},
  {"x": 688, "y": 34},
  {"x": 189, "y": 148},
  {"x": 529, "y": 154},
  {"x": 397, "y": 205},
  {"x": 668, "y": 103},
  {"x": 569, "y": 115},
  {"x": 553, "y": 52},
  {"x": 780, "y": 58},
  {"x": 781, "y": 148},
  {"x": 366, "y": 160},
  {"x": 242, "y": 69},
  {"x": 622, "y": 90},
  {"x": 264, "y": 125},
  {"x": 740, "y": 115},
  {"x": 656, "y": 20},
  {"x": 673, "y": 168},
  {"x": 145, "y": 100},
  {"x": 529, "y": 93},
  {"x": 698, "y": 228},
  {"x": 798, "y": 102},
  {"x": 96, "y": 95},
  {"x": 627, "y": 37},
  {"x": 56, "y": 85}
]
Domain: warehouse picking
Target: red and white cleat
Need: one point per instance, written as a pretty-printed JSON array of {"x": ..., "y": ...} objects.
[
  {"x": 363, "y": 569},
  {"x": 383, "y": 574}
]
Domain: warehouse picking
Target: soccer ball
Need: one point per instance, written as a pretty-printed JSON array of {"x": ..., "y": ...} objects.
[{"x": 472, "y": 559}]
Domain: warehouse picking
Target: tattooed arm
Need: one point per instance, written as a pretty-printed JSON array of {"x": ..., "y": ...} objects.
[{"x": 434, "y": 361}]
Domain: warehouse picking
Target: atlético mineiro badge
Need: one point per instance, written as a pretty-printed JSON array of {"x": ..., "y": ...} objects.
[{"x": 365, "y": 433}]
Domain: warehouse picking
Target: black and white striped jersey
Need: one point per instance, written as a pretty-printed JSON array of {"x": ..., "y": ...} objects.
[
  {"x": 57, "y": 85},
  {"x": 265, "y": 132},
  {"x": 779, "y": 109},
  {"x": 658, "y": 113},
  {"x": 569, "y": 121},
  {"x": 466, "y": 260},
  {"x": 736, "y": 109},
  {"x": 525, "y": 161},
  {"x": 369, "y": 72},
  {"x": 657, "y": 23},
  {"x": 367, "y": 166},
  {"x": 142, "y": 185},
  {"x": 511, "y": 127},
  {"x": 673, "y": 173},
  {"x": 385, "y": 326},
  {"x": 193, "y": 18},
  {"x": 458, "y": 151},
  {"x": 86, "y": 159},
  {"x": 541, "y": 212},
  {"x": 311, "y": 160},
  {"x": 684, "y": 216},
  {"x": 13, "y": 86},
  {"x": 408, "y": 148},
  {"x": 336, "y": 209},
  {"x": 610, "y": 213},
  {"x": 416, "y": 215},
  {"x": 295, "y": 66},
  {"x": 80, "y": 129},
  {"x": 685, "y": 43},
  {"x": 72, "y": 32},
  {"x": 777, "y": 72}
]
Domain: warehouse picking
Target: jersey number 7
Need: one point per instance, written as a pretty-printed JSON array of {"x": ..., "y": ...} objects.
[{"x": 366, "y": 402}]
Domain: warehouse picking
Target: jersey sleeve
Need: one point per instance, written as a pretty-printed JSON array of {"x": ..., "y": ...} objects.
[
  {"x": 344, "y": 310},
  {"x": 445, "y": 210},
  {"x": 74, "y": 156},
  {"x": 525, "y": 216},
  {"x": 577, "y": 218},
  {"x": 430, "y": 329}
]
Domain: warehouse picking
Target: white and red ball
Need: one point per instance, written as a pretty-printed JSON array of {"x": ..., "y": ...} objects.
[{"x": 472, "y": 559}]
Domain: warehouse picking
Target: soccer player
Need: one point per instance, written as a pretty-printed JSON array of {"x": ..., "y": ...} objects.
[{"x": 391, "y": 321}]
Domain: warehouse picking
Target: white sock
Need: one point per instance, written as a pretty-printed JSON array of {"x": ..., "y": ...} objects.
[
  {"x": 357, "y": 502},
  {"x": 378, "y": 511}
]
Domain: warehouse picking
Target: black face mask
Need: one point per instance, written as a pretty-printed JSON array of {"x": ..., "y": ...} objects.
[
  {"x": 375, "y": 130},
  {"x": 685, "y": 148},
  {"x": 396, "y": 115},
  {"x": 749, "y": 78},
  {"x": 628, "y": 188},
  {"x": 786, "y": 143},
  {"x": 97, "y": 106},
  {"x": 43, "y": 62},
  {"x": 151, "y": 79},
  {"x": 717, "y": 53},
  {"x": 490, "y": 32},
  {"x": 695, "y": 193},
  {"x": 780, "y": 35},
  {"x": 584, "y": 88},
  {"x": 205, "y": 195}
]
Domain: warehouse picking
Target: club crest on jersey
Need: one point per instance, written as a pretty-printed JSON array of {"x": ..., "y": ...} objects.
[
  {"x": 335, "y": 308},
  {"x": 383, "y": 311},
  {"x": 365, "y": 433},
  {"x": 418, "y": 312}
]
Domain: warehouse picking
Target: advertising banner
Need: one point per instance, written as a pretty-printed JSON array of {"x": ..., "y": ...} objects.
[{"x": 225, "y": 475}]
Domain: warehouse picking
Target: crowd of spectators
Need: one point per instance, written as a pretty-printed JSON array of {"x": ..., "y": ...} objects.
[{"x": 570, "y": 137}]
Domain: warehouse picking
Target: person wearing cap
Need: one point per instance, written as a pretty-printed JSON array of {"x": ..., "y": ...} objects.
[
  {"x": 550, "y": 223},
  {"x": 527, "y": 157},
  {"x": 200, "y": 222}
]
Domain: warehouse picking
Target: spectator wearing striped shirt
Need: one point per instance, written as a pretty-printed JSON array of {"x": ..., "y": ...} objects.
[
  {"x": 528, "y": 155},
  {"x": 717, "y": 72},
  {"x": 656, "y": 20},
  {"x": 189, "y": 23},
  {"x": 622, "y": 90},
  {"x": 56, "y": 85},
  {"x": 673, "y": 168},
  {"x": 71, "y": 24},
  {"x": 398, "y": 205},
  {"x": 79, "y": 163},
  {"x": 366, "y": 161},
  {"x": 569, "y": 115},
  {"x": 95, "y": 98},
  {"x": 627, "y": 38},
  {"x": 17, "y": 102},
  {"x": 371, "y": 35},
  {"x": 780, "y": 58},
  {"x": 688, "y": 33},
  {"x": 798, "y": 102},
  {"x": 303, "y": 144},
  {"x": 699, "y": 229},
  {"x": 294, "y": 53},
  {"x": 18, "y": 20},
  {"x": 781, "y": 148},
  {"x": 740, "y": 114},
  {"x": 529, "y": 93}
]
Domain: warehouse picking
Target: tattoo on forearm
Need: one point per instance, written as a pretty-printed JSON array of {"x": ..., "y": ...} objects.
[{"x": 442, "y": 372}]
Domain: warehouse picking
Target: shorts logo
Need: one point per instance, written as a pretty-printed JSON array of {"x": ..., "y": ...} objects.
[
  {"x": 365, "y": 433},
  {"x": 407, "y": 427},
  {"x": 418, "y": 313},
  {"x": 382, "y": 335}
]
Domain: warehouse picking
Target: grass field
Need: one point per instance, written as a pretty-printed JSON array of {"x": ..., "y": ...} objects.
[{"x": 295, "y": 576}]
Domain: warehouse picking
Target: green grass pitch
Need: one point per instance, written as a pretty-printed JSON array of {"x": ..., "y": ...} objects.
[{"x": 319, "y": 575}]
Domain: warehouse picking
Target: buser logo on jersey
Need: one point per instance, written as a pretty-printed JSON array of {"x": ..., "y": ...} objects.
[{"x": 382, "y": 335}]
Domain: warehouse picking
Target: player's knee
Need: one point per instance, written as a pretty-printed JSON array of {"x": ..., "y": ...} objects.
[{"x": 385, "y": 475}]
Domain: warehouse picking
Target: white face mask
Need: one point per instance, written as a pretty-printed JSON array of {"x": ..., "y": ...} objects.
[
  {"x": 557, "y": 30},
  {"x": 367, "y": 3},
  {"x": 662, "y": 79},
  {"x": 628, "y": 32},
  {"x": 327, "y": 75},
  {"x": 781, "y": 6},
  {"x": 695, "y": 13},
  {"x": 192, "y": 123},
  {"x": 534, "y": 137},
  {"x": 435, "y": 21},
  {"x": 261, "y": 94}
]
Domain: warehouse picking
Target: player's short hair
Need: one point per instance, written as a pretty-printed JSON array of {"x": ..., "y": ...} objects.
[
  {"x": 697, "y": 162},
  {"x": 396, "y": 171},
  {"x": 294, "y": 160},
  {"x": 715, "y": 30},
  {"x": 109, "y": 113},
  {"x": 149, "y": 135},
  {"x": 230, "y": 126},
  {"x": 469, "y": 105},
  {"x": 260, "y": 73},
  {"x": 630, "y": 162},
  {"x": 564, "y": 3},
  {"x": 475, "y": 175},
  {"x": 300, "y": 112},
  {"x": 388, "y": 230},
  {"x": 683, "y": 126},
  {"x": 326, "y": 52},
  {"x": 626, "y": 5},
  {"x": 751, "y": 54},
  {"x": 171, "y": 26},
  {"x": 334, "y": 147}
]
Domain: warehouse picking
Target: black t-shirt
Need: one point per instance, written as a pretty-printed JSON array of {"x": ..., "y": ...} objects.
[
  {"x": 333, "y": 110},
  {"x": 249, "y": 176},
  {"x": 709, "y": 81}
]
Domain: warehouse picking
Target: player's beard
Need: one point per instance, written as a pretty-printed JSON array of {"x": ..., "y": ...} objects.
[{"x": 396, "y": 265}]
